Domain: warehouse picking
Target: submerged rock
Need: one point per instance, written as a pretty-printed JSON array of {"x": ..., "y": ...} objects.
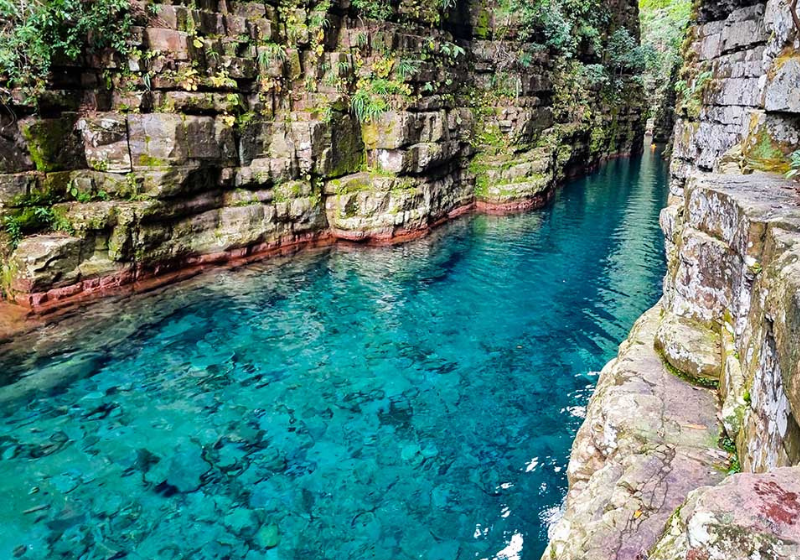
[
  {"x": 181, "y": 471},
  {"x": 268, "y": 536}
]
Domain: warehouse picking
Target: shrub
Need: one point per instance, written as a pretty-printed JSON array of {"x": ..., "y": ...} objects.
[
  {"x": 374, "y": 9},
  {"x": 36, "y": 34},
  {"x": 663, "y": 24},
  {"x": 373, "y": 97}
]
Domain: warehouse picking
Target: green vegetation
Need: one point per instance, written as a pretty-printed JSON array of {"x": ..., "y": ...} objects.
[
  {"x": 376, "y": 91},
  {"x": 374, "y": 9},
  {"x": 763, "y": 153},
  {"x": 593, "y": 59},
  {"x": 697, "y": 381},
  {"x": 727, "y": 444},
  {"x": 430, "y": 12},
  {"x": 794, "y": 163},
  {"x": 663, "y": 24},
  {"x": 36, "y": 34},
  {"x": 566, "y": 27},
  {"x": 33, "y": 213},
  {"x": 691, "y": 93},
  {"x": 271, "y": 52}
]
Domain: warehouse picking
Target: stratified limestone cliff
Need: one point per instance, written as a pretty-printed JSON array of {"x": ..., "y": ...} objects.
[
  {"x": 237, "y": 128},
  {"x": 728, "y": 326}
]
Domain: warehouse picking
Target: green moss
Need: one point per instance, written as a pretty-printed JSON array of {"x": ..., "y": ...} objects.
[
  {"x": 8, "y": 271},
  {"x": 348, "y": 155},
  {"x": 371, "y": 132},
  {"x": 288, "y": 191},
  {"x": 727, "y": 444},
  {"x": 493, "y": 136},
  {"x": 697, "y": 381},
  {"x": 482, "y": 189},
  {"x": 785, "y": 56},
  {"x": 481, "y": 29},
  {"x": 597, "y": 140},
  {"x": 351, "y": 185},
  {"x": 345, "y": 165},
  {"x": 403, "y": 185},
  {"x": 245, "y": 198},
  {"x": 146, "y": 160},
  {"x": 350, "y": 208},
  {"x": 46, "y": 140},
  {"x": 763, "y": 154}
]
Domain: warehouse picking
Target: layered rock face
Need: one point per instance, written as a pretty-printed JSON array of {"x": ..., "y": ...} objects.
[
  {"x": 729, "y": 324},
  {"x": 236, "y": 128}
]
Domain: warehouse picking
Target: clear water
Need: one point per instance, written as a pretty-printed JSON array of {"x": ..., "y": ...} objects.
[{"x": 404, "y": 402}]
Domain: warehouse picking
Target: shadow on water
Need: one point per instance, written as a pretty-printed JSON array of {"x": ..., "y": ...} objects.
[{"x": 415, "y": 401}]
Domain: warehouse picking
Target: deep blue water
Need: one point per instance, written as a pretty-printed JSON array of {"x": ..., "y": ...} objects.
[{"x": 391, "y": 403}]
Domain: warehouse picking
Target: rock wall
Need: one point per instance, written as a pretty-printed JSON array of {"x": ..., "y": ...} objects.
[
  {"x": 729, "y": 322},
  {"x": 237, "y": 128},
  {"x": 732, "y": 231}
]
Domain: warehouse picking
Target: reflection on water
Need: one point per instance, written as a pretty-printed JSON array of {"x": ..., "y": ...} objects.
[{"x": 402, "y": 402}]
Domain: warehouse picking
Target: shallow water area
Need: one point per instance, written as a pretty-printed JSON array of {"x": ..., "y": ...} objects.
[{"x": 413, "y": 401}]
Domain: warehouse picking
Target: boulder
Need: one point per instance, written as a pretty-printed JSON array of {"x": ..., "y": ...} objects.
[
  {"x": 746, "y": 516},
  {"x": 648, "y": 440},
  {"x": 690, "y": 347},
  {"x": 54, "y": 144},
  {"x": 156, "y": 140},
  {"x": 783, "y": 85},
  {"x": 166, "y": 139},
  {"x": 44, "y": 261},
  {"x": 14, "y": 156},
  {"x": 169, "y": 42},
  {"x": 14, "y": 186}
]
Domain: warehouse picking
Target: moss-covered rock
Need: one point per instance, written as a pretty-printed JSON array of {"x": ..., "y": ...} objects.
[
  {"x": 54, "y": 144},
  {"x": 690, "y": 347}
]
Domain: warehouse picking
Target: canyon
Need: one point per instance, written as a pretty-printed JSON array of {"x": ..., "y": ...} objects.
[
  {"x": 715, "y": 364},
  {"x": 235, "y": 130}
]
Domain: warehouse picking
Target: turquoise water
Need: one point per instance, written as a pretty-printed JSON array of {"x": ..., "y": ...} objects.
[{"x": 390, "y": 403}]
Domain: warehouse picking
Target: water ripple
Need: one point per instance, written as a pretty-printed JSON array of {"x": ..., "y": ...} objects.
[{"x": 415, "y": 401}]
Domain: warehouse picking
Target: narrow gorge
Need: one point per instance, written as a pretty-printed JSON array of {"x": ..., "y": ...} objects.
[
  {"x": 335, "y": 279},
  {"x": 689, "y": 446}
]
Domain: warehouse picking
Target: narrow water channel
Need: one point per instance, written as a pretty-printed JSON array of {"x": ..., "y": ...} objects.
[{"x": 416, "y": 401}]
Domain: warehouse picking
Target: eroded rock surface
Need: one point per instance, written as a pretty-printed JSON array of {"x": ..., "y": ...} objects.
[
  {"x": 690, "y": 347},
  {"x": 731, "y": 303},
  {"x": 649, "y": 439},
  {"x": 747, "y": 516}
]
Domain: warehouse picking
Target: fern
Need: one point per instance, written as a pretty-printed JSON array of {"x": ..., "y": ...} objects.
[
  {"x": 367, "y": 107},
  {"x": 343, "y": 67},
  {"x": 407, "y": 68},
  {"x": 271, "y": 52}
]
